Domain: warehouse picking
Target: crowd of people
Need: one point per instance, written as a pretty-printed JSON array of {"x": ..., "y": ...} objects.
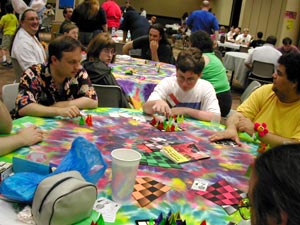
[{"x": 58, "y": 81}]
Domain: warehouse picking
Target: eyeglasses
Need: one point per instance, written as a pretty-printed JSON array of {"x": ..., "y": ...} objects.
[
  {"x": 189, "y": 80},
  {"x": 244, "y": 208},
  {"x": 109, "y": 51},
  {"x": 33, "y": 19}
]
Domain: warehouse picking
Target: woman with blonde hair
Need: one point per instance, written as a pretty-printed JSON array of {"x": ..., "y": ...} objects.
[
  {"x": 101, "y": 52},
  {"x": 90, "y": 18}
]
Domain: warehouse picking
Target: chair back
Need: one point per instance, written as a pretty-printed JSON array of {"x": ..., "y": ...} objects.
[
  {"x": 262, "y": 72},
  {"x": 119, "y": 47},
  {"x": 17, "y": 68},
  {"x": 251, "y": 87},
  {"x": 9, "y": 95},
  {"x": 108, "y": 95}
]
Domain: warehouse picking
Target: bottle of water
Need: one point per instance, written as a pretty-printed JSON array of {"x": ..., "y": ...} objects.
[
  {"x": 113, "y": 30},
  {"x": 128, "y": 35}
]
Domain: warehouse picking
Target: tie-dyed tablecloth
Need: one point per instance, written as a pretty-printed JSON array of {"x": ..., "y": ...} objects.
[
  {"x": 116, "y": 128},
  {"x": 145, "y": 76}
]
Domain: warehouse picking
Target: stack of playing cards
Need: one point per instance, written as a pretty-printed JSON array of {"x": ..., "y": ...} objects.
[{"x": 107, "y": 208}]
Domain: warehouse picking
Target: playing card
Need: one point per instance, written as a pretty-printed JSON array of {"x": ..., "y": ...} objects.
[
  {"x": 199, "y": 185},
  {"x": 226, "y": 142},
  {"x": 107, "y": 208}
]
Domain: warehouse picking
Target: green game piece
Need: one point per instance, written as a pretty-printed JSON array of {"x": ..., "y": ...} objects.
[
  {"x": 163, "y": 222},
  {"x": 151, "y": 222},
  {"x": 100, "y": 221},
  {"x": 81, "y": 121}
]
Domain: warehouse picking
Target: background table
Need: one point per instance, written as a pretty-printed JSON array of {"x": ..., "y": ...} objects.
[
  {"x": 145, "y": 76},
  {"x": 229, "y": 45},
  {"x": 235, "y": 62},
  {"x": 128, "y": 130}
]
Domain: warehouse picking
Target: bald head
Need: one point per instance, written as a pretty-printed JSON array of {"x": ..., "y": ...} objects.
[{"x": 205, "y": 3}]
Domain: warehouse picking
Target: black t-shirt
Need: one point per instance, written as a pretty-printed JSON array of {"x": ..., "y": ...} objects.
[
  {"x": 89, "y": 25},
  {"x": 164, "y": 50},
  {"x": 135, "y": 23},
  {"x": 257, "y": 43}
]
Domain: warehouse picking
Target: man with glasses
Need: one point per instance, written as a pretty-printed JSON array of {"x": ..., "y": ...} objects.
[
  {"x": 185, "y": 93},
  {"x": 274, "y": 185},
  {"x": 26, "y": 48},
  {"x": 60, "y": 88}
]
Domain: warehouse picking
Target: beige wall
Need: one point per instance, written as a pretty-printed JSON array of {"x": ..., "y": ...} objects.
[
  {"x": 268, "y": 16},
  {"x": 291, "y": 27},
  {"x": 176, "y": 8}
]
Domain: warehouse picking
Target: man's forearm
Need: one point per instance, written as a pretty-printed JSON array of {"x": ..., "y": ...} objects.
[
  {"x": 233, "y": 120},
  {"x": 81, "y": 103},
  {"x": 34, "y": 109},
  {"x": 274, "y": 140}
]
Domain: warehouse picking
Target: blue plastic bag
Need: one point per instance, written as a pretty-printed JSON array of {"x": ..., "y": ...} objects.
[
  {"x": 21, "y": 186},
  {"x": 84, "y": 157}
]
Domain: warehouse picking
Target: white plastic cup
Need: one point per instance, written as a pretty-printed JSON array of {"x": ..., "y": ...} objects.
[{"x": 125, "y": 163}]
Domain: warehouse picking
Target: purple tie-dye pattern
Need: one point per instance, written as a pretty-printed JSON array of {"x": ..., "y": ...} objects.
[{"x": 108, "y": 133}]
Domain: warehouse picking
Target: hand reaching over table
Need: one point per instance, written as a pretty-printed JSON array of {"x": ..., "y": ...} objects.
[
  {"x": 162, "y": 107},
  {"x": 226, "y": 134}
]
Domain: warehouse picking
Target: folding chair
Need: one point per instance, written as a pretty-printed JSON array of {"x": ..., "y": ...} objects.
[
  {"x": 251, "y": 87},
  {"x": 9, "y": 95},
  {"x": 108, "y": 95},
  {"x": 262, "y": 72},
  {"x": 17, "y": 68}
]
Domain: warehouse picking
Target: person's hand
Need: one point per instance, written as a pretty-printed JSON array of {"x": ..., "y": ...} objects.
[
  {"x": 178, "y": 111},
  {"x": 154, "y": 45},
  {"x": 226, "y": 134},
  {"x": 245, "y": 125},
  {"x": 70, "y": 111},
  {"x": 30, "y": 135},
  {"x": 162, "y": 107}
]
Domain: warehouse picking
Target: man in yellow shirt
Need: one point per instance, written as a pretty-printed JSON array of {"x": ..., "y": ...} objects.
[{"x": 277, "y": 105}]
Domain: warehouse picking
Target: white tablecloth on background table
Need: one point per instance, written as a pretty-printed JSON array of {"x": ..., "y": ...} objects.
[{"x": 235, "y": 62}]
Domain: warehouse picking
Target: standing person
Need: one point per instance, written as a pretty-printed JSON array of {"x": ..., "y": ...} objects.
[
  {"x": 24, "y": 137},
  {"x": 214, "y": 70},
  {"x": 186, "y": 93},
  {"x": 8, "y": 26},
  {"x": 100, "y": 53},
  {"x": 136, "y": 24},
  {"x": 204, "y": 20},
  {"x": 60, "y": 88},
  {"x": 90, "y": 19},
  {"x": 26, "y": 48},
  {"x": 154, "y": 46},
  {"x": 126, "y": 6},
  {"x": 113, "y": 14},
  {"x": 274, "y": 185},
  {"x": 143, "y": 13},
  {"x": 287, "y": 46},
  {"x": 67, "y": 13}
]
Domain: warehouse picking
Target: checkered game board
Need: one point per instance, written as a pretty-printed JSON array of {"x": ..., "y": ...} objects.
[{"x": 147, "y": 190}]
